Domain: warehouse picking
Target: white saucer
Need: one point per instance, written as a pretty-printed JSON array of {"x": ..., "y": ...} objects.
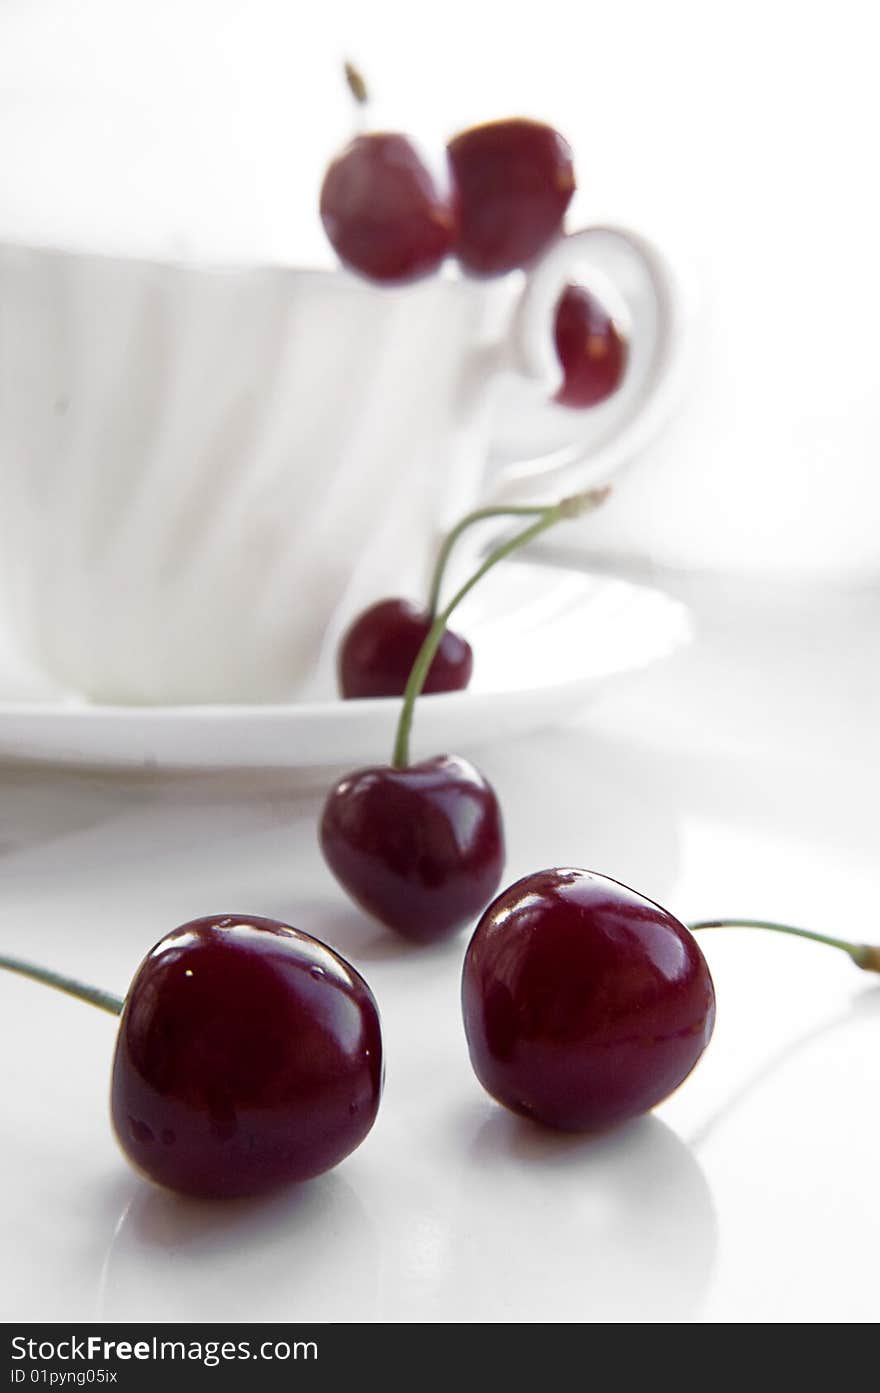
[{"x": 543, "y": 641}]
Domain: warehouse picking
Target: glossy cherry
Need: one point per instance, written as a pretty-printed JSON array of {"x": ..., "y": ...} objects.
[
  {"x": 379, "y": 648},
  {"x": 514, "y": 180},
  {"x": 385, "y": 214},
  {"x": 249, "y": 1055},
  {"x": 584, "y": 1003},
  {"x": 591, "y": 349},
  {"x": 420, "y": 848}
]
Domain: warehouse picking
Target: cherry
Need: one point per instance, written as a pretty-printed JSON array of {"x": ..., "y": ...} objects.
[
  {"x": 378, "y": 650},
  {"x": 584, "y": 1003},
  {"x": 590, "y": 347},
  {"x": 385, "y": 214},
  {"x": 514, "y": 179},
  {"x": 249, "y": 1055},
  {"x": 421, "y": 847},
  {"x": 387, "y": 217}
]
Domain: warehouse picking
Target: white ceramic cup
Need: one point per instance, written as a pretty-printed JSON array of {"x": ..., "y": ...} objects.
[{"x": 201, "y": 468}]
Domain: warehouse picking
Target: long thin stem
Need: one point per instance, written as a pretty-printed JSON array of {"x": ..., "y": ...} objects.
[
  {"x": 864, "y": 955},
  {"x": 480, "y": 515},
  {"x": 93, "y": 995},
  {"x": 572, "y": 507}
]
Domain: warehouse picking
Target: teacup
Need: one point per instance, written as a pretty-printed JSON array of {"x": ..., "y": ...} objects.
[{"x": 202, "y": 469}]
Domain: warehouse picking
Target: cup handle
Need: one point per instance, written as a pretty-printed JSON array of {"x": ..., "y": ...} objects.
[{"x": 637, "y": 282}]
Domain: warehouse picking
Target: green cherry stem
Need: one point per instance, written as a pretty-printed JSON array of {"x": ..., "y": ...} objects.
[
  {"x": 93, "y": 995},
  {"x": 864, "y": 955},
  {"x": 572, "y": 507},
  {"x": 537, "y": 510}
]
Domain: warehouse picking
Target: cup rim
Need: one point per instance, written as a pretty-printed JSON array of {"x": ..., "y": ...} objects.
[{"x": 447, "y": 276}]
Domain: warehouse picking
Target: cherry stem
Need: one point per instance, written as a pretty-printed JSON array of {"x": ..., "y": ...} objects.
[
  {"x": 480, "y": 515},
  {"x": 864, "y": 955},
  {"x": 354, "y": 79},
  {"x": 572, "y": 507},
  {"x": 93, "y": 995}
]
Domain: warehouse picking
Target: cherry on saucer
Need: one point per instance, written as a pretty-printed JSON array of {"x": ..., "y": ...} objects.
[{"x": 377, "y": 652}]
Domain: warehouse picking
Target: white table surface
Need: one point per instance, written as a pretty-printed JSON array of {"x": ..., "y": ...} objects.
[{"x": 738, "y": 776}]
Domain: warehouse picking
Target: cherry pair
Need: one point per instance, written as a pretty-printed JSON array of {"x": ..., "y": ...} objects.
[
  {"x": 249, "y": 1055},
  {"x": 500, "y": 202}
]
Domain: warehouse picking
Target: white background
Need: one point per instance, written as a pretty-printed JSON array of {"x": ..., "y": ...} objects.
[
  {"x": 738, "y": 776},
  {"x": 743, "y": 136}
]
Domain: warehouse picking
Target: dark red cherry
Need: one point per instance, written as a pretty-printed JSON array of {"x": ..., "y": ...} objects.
[
  {"x": 514, "y": 180},
  {"x": 249, "y": 1055},
  {"x": 591, "y": 349},
  {"x": 584, "y": 1003},
  {"x": 421, "y": 848},
  {"x": 378, "y": 650},
  {"x": 385, "y": 214}
]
